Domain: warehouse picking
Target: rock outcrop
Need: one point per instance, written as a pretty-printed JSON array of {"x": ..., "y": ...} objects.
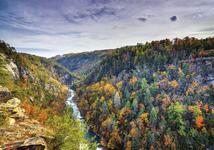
[
  {"x": 13, "y": 69},
  {"x": 18, "y": 131},
  {"x": 4, "y": 94},
  {"x": 37, "y": 143}
]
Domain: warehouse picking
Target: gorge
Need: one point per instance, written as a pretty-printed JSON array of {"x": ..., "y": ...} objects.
[{"x": 157, "y": 95}]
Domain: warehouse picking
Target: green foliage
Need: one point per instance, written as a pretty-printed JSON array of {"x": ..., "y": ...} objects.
[
  {"x": 43, "y": 97},
  {"x": 159, "y": 111},
  {"x": 175, "y": 114},
  {"x": 154, "y": 55},
  {"x": 153, "y": 117},
  {"x": 3, "y": 119},
  {"x": 69, "y": 133}
]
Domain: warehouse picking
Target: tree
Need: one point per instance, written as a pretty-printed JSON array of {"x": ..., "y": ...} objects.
[
  {"x": 68, "y": 133},
  {"x": 151, "y": 138},
  {"x": 144, "y": 85},
  {"x": 116, "y": 101},
  {"x": 105, "y": 108},
  {"x": 199, "y": 121},
  {"x": 135, "y": 106},
  {"x": 153, "y": 117},
  {"x": 147, "y": 99},
  {"x": 175, "y": 119}
]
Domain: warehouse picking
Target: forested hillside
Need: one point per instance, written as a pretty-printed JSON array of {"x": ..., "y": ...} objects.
[
  {"x": 157, "y": 95},
  {"x": 81, "y": 64},
  {"x": 33, "y": 113}
]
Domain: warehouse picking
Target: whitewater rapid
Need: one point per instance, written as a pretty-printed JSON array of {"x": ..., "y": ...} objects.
[{"x": 76, "y": 112}]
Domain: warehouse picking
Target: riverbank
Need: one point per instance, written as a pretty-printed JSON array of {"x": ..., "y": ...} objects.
[{"x": 91, "y": 136}]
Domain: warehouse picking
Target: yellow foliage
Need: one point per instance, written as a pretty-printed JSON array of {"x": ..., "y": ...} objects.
[
  {"x": 180, "y": 72},
  {"x": 133, "y": 80},
  {"x": 102, "y": 99},
  {"x": 144, "y": 117},
  {"x": 194, "y": 84},
  {"x": 115, "y": 139},
  {"x": 110, "y": 103},
  {"x": 205, "y": 88},
  {"x": 189, "y": 91},
  {"x": 119, "y": 84},
  {"x": 128, "y": 145},
  {"x": 133, "y": 95},
  {"x": 133, "y": 132},
  {"x": 163, "y": 73},
  {"x": 206, "y": 107},
  {"x": 64, "y": 89},
  {"x": 88, "y": 115},
  {"x": 174, "y": 84},
  {"x": 93, "y": 105},
  {"x": 197, "y": 110},
  {"x": 106, "y": 123},
  {"x": 94, "y": 87},
  {"x": 82, "y": 104},
  {"x": 172, "y": 67},
  {"x": 109, "y": 88}
]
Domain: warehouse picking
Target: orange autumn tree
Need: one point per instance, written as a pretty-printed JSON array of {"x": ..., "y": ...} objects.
[
  {"x": 43, "y": 116},
  {"x": 199, "y": 121},
  {"x": 174, "y": 84}
]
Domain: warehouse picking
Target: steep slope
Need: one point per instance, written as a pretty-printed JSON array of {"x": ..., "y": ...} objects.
[
  {"x": 153, "y": 96},
  {"x": 33, "y": 112},
  {"x": 154, "y": 55},
  {"x": 81, "y": 63}
]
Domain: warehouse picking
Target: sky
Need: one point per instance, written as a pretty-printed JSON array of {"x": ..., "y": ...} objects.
[{"x": 52, "y": 27}]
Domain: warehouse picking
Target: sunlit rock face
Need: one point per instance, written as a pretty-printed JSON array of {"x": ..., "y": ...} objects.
[
  {"x": 9, "y": 66},
  {"x": 13, "y": 69},
  {"x": 17, "y": 129},
  {"x": 37, "y": 143}
]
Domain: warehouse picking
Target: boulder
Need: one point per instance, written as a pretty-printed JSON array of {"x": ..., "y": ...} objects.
[
  {"x": 37, "y": 143},
  {"x": 13, "y": 69},
  {"x": 4, "y": 94},
  {"x": 11, "y": 121},
  {"x": 10, "y": 105},
  {"x": 19, "y": 114},
  {"x": 14, "y": 102}
]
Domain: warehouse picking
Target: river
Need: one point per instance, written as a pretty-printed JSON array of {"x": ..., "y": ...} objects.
[{"x": 77, "y": 115}]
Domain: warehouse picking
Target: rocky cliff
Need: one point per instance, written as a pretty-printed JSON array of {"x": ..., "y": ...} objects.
[
  {"x": 31, "y": 94},
  {"x": 33, "y": 110},
  {"x": 17, "y": 129}
]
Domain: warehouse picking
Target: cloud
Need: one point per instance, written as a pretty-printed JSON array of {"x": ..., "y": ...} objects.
[
  {"x": 94, "y": 13},
  {"x": 81, "y": 25},
  {"x": 173, "y": 18},
  {"x": 142, "y": 19}
]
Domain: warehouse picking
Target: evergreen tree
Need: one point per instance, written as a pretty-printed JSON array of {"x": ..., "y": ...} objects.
[
  {"x": 116, "y": 101},
  {"x": 153, "y": 117}
]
